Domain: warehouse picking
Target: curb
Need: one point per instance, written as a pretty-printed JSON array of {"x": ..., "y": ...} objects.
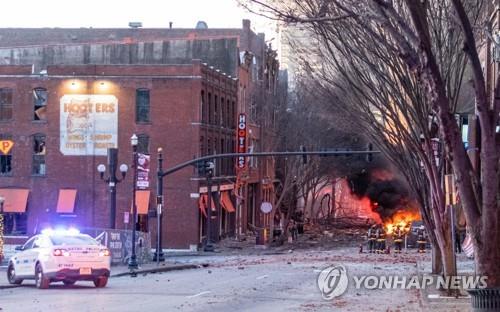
[
  {"x": 161, "y": 269},
  {"x": 9, "y": 286}
]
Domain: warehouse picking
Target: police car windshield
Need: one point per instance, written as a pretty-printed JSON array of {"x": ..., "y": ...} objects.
[{"x": 58, "y": 240}]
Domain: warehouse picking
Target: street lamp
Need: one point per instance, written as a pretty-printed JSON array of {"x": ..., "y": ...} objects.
[
  {"x": 132, "y": 263},
  {"x": 209, "y": 169},
  {"x": 159, "y": 256},
  {"x": 112, "y": 180}
]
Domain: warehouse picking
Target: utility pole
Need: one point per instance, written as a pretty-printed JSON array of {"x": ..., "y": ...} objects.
[
  {"x": 209, "y": 167},
  {"x": 159, "y": 256}
]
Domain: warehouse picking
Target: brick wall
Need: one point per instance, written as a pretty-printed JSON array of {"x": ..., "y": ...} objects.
[{"x": 175, "y": 113}]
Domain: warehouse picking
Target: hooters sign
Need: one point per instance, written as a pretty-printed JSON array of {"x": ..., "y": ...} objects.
[{"x": 242, "y": 140}]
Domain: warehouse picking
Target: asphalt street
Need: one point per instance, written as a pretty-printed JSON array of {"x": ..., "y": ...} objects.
[{"x": 253, "y": 283}]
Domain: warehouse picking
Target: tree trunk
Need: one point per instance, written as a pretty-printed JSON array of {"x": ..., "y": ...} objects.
[
  {"x": 487, "y": 255},
  {"x": 437, "y": 259}
]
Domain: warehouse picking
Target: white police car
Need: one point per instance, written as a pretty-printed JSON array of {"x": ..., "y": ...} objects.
[{"x": 54, "y": 256}]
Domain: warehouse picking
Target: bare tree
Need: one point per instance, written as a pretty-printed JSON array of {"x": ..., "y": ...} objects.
[{"x": 399, "y": 63}]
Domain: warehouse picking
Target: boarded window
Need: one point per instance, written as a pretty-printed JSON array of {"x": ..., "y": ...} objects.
[
  {"x": 142, "y": 106},
  {"x": 5, "y": 104},
  {"x": 40, "y": 103},
  {"x": 39, "y": 151}
]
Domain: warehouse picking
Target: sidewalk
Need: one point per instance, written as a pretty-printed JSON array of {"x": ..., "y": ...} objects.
[{"x": 432, "y": 299}]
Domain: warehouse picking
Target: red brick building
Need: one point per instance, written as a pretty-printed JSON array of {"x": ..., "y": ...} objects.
[
  {"x": 162, "y": 104},
  {"x": 189, "y": 116}
]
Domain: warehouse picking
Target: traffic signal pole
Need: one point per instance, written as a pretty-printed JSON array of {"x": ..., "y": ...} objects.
[{"x": 193, "y": 162}]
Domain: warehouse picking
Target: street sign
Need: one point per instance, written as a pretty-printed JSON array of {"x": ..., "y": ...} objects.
[
  {"x": 194, "y": 195},
  {"x": 242, "y": 140},
  {"x": 6, "y": 146},
  {"x": 143, "y": 171}
]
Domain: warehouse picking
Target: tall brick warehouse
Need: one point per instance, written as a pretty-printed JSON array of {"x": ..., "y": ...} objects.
[{"x": 148, "y": 82}]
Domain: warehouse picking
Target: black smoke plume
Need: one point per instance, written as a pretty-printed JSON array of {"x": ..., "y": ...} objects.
[{"x": 387, "y": 195}]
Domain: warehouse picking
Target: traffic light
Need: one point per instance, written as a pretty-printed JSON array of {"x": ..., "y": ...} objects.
[
  {"x": 304, "y": 156},
  {"x": 209, "y": 167},
  {"x": 205, "y": 167},
  {"x": 369, "y": 156}
]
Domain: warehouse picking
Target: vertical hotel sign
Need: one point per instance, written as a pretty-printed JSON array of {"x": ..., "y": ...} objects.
[
  {"x": 88, "y": 124},
  {"x": 242, "y": 140}
]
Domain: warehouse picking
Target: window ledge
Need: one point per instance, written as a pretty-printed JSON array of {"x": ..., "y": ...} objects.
[
  {"x": 40, "y": 121},
  {"x": 34, "y": 175},
  {"x": 143, "y": 122},
  {"x": 6, "y": 175}
]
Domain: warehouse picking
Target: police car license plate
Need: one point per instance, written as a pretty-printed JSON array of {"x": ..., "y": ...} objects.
[{"x": 85, "y": 271}]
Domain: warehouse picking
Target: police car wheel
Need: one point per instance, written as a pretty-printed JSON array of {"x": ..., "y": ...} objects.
[
  {"x": 11, "y": 276},
  {"x": 40, "y": 280},
  {"x": 101, "y": 281}
]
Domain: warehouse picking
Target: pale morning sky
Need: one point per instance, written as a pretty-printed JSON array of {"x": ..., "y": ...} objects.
[{"x": 118, "y": 13}]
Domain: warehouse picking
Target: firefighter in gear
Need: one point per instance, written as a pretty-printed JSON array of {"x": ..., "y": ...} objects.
[
  {"x": 398, "y": 239},
  {"x": 380, "y": 234},
  {"x": 372, "y": 238},
  {"x": 421, "y": 239}
]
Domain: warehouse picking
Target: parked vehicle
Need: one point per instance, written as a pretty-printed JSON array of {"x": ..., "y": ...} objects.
[{"x": 60, "y": 256}]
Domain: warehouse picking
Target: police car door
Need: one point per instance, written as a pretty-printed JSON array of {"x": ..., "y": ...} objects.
[
  {"x": 32, "y": 255},
  {"x": 21, "y": 258}
]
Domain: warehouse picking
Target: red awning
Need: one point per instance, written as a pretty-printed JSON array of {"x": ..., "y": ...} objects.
[
  {"x": 202, "y": 204},
  {"x": 226, "y": 202},
  {"x": 66, "y": 201},
  {"x": 15, "y": 200},
  {"x": 142, "y": 201}
]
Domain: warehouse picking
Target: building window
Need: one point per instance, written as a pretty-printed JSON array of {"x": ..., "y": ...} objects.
[
  {"x": 142, "y": 105},
  {"x": 216, "y": 114},
  {"x": 222, "y": 163},
  {"x": 222, "y": 121},
  {"x": 233, "y": 112},
  {"x": 15, "y": 223},
  {"x": 202, "y": 146},
  {"x": 40, "y": 103},
  {"x": 6, "y": 160},
  {"x": 228, "y": 115},
  {"x": 5, "y": 104},
  {"x": 210, "y": 108},
  {"x": 39, "y": 151},
  {"x": 143, "y": 144},
  {"x": 203, "y": 108}
]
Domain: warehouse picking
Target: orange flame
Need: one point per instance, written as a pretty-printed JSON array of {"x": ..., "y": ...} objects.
[{"x": 403, "y": 219}]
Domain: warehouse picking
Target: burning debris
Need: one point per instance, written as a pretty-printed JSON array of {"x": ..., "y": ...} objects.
[{"x": 388, "y": 197}]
